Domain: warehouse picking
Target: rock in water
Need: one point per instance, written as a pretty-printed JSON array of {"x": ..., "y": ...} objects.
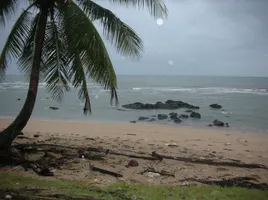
[
  {"x": 188, "y": 111},
  {"x": 152, "y": 120},
  {"x": 218, "y": 123},
  {"x": 162, "y": 116},
  {"x": 143, "y": 118},
  {"x": 133, "y": 122},
  {"x": 216, "y": 106},
  {"x": 173, "y": 115},
  {"x": 169, "y": 104},
  {"x": 184, "y": 116},
  {"x": 53, "y": 108},
  {"x": 137, "y": 105},
  {"x": 195, "y": 115},
  {"x": 132, "y": 163},
  {"x": 177, "y": 120}
]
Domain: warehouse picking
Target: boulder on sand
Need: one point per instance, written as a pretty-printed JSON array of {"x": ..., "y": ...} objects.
[
  {"x": 215, "y": 106},
  {"x": 195, "y": 115},
  {"x": 218, "y": 123},
  {"x": 162, "y": 116}
]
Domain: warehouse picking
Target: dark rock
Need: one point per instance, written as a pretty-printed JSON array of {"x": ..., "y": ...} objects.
[
  {"x": 184, "y": 116},
  {"x": 119, "y": 109},
  {"x": 143, "y": 118},
  {"x": 173, "y": 115},
  {"x": 210, "y": 125},
  {"x": 149, "y": 106},
  {"x": 177, "y": 120},
  {"x": 218, "y": 123},
  {"x": 18, "y": 99},
  {"x": 152, "y": 120},
  {"x": 53, "y": 108},
  {"x": 47, "y": 98},
  {"x": 169, "y": 104},
  {"x": 36, "y": 135},
  {"x": 216, "y": 106},
  {"x": 195, "y": 115},
  {"x": 133, "y": 122},
  {"x": 162, "y": 116},
  {"x": 188, "y": 111},
  {"x": 227, "y": 125},
  {"x": 132, "y": 163},
  {"x": 137, "y": 105}
]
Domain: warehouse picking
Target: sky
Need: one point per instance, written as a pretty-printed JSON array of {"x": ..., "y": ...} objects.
[{"x": 199, "y": 37}]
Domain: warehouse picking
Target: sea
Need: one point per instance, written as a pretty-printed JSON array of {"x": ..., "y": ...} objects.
[{"x": 244, "y": 100}]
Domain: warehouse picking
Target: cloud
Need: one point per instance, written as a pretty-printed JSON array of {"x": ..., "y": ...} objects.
[{"x": 204, "y": 37}]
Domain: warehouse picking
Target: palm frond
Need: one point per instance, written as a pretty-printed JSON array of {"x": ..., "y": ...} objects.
[
  {"x": 157, "y": 8},
  {"x": 124, "y": 38},
  {"x": 15, "y": 41},
  {"x": 55, "y": 61},
  {"x": 80, "y": 81},
  {"x": 7, "y": 8},
  {"x": 85, "y": 39},
  {"x": 26, "y": 58}
]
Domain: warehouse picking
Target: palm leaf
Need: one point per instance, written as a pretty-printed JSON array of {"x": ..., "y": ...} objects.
[
  {"x": 7, "y": 7},
  {"x": 80, "y": 81},
  {"x": 157, "y": 8},
  {"x": 26, "y": 58},
  {"x": 55, "y": 61},
  {"x": 126, "y": 41},
  {"x": 85, "y": 39},
  {"x": 15, "y": 41}
]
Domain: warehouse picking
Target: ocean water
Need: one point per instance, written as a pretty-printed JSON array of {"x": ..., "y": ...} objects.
[{"x": 244, "y": 100}]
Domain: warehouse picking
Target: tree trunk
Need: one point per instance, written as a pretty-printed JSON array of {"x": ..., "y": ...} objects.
[{"x": 11, "y": 132}]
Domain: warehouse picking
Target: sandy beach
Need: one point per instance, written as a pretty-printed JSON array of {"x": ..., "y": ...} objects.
[{"x": 220, "y": 145}]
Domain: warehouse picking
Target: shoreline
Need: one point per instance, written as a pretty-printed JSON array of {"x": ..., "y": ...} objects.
[
  {"x": 142, "y": 140},
  {"x": 190, "y": 126}
]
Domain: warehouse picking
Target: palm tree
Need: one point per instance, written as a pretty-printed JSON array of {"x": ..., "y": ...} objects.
[{"x": 56, "y": 40}]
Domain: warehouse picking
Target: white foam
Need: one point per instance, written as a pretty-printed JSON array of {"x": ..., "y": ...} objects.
[{"x": 205, "y": 90}]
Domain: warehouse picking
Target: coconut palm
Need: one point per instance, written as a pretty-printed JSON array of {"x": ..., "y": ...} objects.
[{"x": 57, "y": 41}]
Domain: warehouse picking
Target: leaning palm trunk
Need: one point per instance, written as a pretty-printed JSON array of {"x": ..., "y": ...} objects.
[{"x": 11, "y": 132}]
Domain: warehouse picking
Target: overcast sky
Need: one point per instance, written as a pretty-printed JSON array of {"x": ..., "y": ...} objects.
[{"x": 200, "y": 37}]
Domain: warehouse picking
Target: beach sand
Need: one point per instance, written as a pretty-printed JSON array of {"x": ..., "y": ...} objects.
[{"x": 221, "y": 145}]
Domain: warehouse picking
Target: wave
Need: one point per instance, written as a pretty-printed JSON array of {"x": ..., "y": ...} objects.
[
  {"x": 206, "y": 90},
  {"x": 24, "y": 85},
  {"x": 95, "y": 88}
]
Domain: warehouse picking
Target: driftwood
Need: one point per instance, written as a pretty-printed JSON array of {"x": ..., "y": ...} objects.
[
  {"x": 154, "y": 156},
  {"x": 210, "y": 161},
  {"x": 245, "y": 182},
  {"x": 43, "y": 171},
  {"x": 121, "y": 154},
  {"x": 104, "y": 171},
  {"x": 161, "y": 172}
]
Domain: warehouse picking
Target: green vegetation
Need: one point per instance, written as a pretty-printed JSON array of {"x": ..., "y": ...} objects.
[{"x": 16, "y": 182}]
